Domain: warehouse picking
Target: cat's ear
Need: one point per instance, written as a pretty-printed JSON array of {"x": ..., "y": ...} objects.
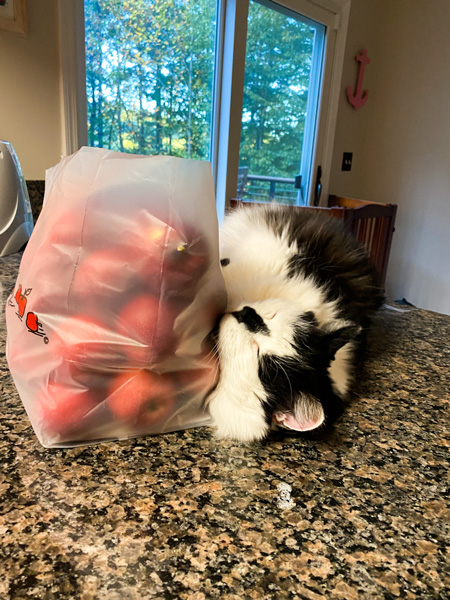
[
  {"x": 307, "y": 414},
  {"x": 337, "y": 338}
]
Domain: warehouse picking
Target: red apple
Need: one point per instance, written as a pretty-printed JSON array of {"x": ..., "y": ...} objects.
[
  {"x": 201, "y": 378},
  {"x": 191, "y": 255},
  {"x": 146, "y": 233},
  {"x": 185, "y": 263},
  {"x": 141, "y": 397},
  {"x": 87, "y": 343},
  {"x": 61, "y": 408},
  {"x": 196, "y": 380},
  {"x": 48, "y": 297},
  {"x": 177, "y": 258},
  {"x": 96, "y": 381},
  {"x": 65, "y": 229},
  {"x": 103, "y": 278},
  {"x": 26, "y": 360},
  {"x": 148, "y": 326},
  {"x": 147, "y": 237}
]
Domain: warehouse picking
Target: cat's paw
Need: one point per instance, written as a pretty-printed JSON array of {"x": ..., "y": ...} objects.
[{"x": 236, "y": 421}]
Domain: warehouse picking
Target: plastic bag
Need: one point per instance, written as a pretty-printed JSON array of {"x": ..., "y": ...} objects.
[{"x": 118, "y": 289}]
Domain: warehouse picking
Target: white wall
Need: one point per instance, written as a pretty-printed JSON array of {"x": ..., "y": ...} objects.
[
  {"x": 401, "y": 138},
  {"x": 29, "y": 90}
]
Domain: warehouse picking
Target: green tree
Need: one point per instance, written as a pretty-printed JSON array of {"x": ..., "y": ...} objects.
[
  {"x": 277, "y": 72},
  {"x": 149, "y": 75},
  {"x": 149, "y": 78}
]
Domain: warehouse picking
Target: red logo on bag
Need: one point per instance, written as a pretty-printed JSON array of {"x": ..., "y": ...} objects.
[
  {"x": 21, "y": 300},
  {"x": 31, "y": 321}
]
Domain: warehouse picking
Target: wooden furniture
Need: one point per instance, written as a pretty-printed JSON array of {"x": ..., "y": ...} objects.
[{"x": 371, "y": 223}]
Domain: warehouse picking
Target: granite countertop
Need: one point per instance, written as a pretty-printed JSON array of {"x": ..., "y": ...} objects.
[{"x": 362, "y": 512}]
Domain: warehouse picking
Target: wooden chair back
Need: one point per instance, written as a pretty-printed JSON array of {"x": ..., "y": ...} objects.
[{"x": 373, "y": 225}]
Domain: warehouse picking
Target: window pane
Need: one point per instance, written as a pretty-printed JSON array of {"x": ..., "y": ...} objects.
[
  {"x": 149, "y": 75},
  {"x": 280, "y": 102}
]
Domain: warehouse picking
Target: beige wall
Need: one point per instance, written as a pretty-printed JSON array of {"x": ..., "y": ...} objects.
[
  {"x": 401, "y": 138},
  {"x": 353, "y": 126},
  {"x": 29, "y": 90}
]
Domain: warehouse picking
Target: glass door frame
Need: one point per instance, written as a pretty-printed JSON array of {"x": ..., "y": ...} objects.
[
  {"x": 232, "y": 24},
  {"x": 314, "y": 91},
  {"x": 229, "y": 81}
]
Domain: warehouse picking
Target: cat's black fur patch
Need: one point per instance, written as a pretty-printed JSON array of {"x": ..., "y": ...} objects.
[
  {"x": 334, "y": 258},
  {"x": 286, "y": 378},
  {"x": 310, "y": 317},
  {"x": 250, "y": 318}
]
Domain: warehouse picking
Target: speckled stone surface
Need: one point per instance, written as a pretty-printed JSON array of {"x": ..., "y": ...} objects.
[
  {"x": 36, "y": 189},
  {"x": 362, "y": 512}
]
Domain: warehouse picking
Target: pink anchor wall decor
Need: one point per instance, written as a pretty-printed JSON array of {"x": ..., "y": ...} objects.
[{"x": 358, "y": 98}]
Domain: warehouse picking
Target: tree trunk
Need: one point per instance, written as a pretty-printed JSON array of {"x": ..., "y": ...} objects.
[
  {"x": 119, "y": 117},
  {"x": 141, "y": 134},
  {"x": 189, "y": 120},
  {"x": 158, "y": 110}
]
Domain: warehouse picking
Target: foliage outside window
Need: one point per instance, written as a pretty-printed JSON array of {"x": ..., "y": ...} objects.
[
  {"x": 277, "y": 74},
  {"x": 150, "y": 71},
  {"x": 149, "y": 75}
]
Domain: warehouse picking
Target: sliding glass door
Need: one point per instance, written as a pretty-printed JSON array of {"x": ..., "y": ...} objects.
[
  {"x": 250, "y": 85},
  {"x": 283, "y": 74}
]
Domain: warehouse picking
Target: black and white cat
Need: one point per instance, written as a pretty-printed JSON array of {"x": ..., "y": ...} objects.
[{"x": 301, "y": 293}]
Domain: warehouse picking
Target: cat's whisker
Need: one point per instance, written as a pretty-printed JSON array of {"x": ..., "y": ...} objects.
[{"x": 287, "y": 379}]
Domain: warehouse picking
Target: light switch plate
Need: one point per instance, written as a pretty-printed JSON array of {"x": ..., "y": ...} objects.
[{"x": 347, "y": 158}]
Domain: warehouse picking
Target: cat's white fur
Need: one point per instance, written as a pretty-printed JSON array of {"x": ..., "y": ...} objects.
[
  {"x": 257, "y": 277},
  {"x": 236, "y": 404}
]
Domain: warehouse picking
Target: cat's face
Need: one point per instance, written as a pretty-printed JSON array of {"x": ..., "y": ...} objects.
[{"x": 274, "y": 366}]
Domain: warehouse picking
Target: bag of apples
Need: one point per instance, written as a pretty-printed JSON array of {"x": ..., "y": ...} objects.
[{"x": 118, "y": 289}]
